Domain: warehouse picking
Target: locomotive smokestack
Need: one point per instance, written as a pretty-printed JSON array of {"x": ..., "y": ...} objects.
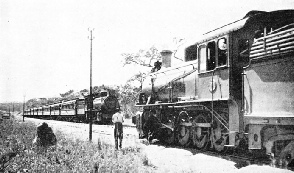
[{"x": 166, "y": 58}]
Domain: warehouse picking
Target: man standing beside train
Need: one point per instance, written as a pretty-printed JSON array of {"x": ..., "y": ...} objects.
[{"x": 117, "y": 120}]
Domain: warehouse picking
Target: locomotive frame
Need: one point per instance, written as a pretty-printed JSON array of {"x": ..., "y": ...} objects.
[{"x": 234, "y": 90}]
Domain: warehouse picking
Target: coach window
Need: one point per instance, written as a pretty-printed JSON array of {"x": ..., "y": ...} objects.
[
  {"x": 202, "y": 58},
  {"x": 222, "y": 51},
  {"x": 211, "y": 55}
]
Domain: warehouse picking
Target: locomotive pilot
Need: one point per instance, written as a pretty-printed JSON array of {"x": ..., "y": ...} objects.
[{"x": 117, "y": 120}]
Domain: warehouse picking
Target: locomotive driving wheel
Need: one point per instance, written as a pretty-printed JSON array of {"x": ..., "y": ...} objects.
[
  {"x": 218, "y": 138},
  {"x": 200, "y": 135},
  {"x": 183, "y": 130},
  {"x": 286, "y": 157},
  {"x": 169, "y": 138}
]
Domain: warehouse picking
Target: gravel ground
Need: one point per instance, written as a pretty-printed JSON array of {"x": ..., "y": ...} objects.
[
  {"x": 163, "y": 158},
  {"x": 181, "y": 160}
]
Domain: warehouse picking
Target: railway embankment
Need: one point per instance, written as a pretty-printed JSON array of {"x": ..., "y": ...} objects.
[{"x": 19, "y": 154}]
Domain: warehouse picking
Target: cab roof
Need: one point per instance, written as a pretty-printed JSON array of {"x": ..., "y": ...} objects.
[{"x": 250, "y": 18}]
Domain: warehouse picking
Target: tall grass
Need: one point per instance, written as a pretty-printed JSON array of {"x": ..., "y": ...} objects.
[{"x": 67, "y": 156}]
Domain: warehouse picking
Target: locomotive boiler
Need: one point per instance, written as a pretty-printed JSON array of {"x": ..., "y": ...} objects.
[
  {"x": 235, "y": 89},
  {"x": 106, "y": 105}
]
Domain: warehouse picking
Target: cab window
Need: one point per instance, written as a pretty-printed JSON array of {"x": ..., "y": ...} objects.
[
  {"x": 222, "y": 51},
  {"x": 202, "y": 58},
  {"x": 191, "y": 53},
  {"x": 211, "y": 56}
]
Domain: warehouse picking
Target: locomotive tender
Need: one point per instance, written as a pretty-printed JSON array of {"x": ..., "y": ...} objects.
[
  {"x": 76, "y": 110},
  {"x": 234, "y": 90}
]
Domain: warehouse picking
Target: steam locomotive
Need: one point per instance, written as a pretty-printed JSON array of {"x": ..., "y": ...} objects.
[
  {"x": 76, "y": 110},
  {"x": 235, "y": 89}
]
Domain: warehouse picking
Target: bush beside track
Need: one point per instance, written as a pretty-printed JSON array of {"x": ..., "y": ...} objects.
[{"x": 18, "y": 154}]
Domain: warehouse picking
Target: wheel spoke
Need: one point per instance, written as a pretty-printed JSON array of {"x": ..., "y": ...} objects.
[
  {"x": 200, "y": 141},
  {"x": 218, "y": 139},
  {"x": 183, "y": 136},
  {"x": 200, "y": 135},
  {"x": 183, "y": 133}
]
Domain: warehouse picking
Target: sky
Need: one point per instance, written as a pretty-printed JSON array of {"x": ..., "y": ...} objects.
[{"x": 45, "y": 50}]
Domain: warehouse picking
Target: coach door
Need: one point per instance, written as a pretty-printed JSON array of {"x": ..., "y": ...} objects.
[{"x": 213, "y": 68}]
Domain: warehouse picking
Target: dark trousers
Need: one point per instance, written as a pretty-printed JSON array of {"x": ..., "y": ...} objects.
[{"x": 118, "y": 134}]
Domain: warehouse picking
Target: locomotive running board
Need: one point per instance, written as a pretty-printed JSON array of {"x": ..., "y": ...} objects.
[
  {"x": 202, "y": 100},
  {"x": 182, "y": 102},
  {"x": 156, "y": 104}
]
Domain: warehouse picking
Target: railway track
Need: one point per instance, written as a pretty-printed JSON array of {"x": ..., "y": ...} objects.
[
  {"x": 97, "y": 128},
  {"x": 78, "y": 124}
]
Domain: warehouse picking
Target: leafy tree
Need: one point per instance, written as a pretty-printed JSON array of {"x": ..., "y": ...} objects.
[
  {"x": 84, "y": 90},
  {"x": 33, "y": 103},
  {"x": 128, "y": 96},
  {"x": 52, "y": 100},
  {"x": 129, "y": 93},
  {"x": 43, "y": 101},
  {"x": 67, "y": 94},
  {"x": 98, "y": 89},
  {"x": 139, "y": 77},
  {"x": 142, "y": 57}
]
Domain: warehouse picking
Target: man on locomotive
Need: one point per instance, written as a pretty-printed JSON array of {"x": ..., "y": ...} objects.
[
  {"x": 117, "y": 120},
  {"x": 152, "y": 126}
]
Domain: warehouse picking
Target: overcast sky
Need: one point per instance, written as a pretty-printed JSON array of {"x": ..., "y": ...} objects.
[{"x": 45, "y": 50}]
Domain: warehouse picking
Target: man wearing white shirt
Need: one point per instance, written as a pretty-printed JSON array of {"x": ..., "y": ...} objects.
[{"x": 117, "y": 120}]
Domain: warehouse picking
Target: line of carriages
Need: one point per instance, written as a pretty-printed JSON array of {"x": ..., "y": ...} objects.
[{"x": 72, "y": 110}]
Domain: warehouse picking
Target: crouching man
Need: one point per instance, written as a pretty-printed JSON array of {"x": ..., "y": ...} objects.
[
  {"x": 45, "y": 136},
  {"x": 117, "y": 120}
]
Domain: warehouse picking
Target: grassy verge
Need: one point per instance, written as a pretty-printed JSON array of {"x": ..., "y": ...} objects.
[{"x": 18, "y": 154}]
